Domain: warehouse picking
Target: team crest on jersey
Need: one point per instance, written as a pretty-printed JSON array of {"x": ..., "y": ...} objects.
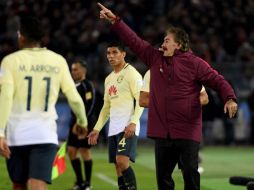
[
  {"x": 120, "y": 79},
  {"x": 112, "y": 91}
]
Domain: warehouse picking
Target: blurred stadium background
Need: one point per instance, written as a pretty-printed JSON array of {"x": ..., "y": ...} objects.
[{"x": 221, "y": 32}]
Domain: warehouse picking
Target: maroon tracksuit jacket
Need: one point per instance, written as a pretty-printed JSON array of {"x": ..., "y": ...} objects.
[{"x": 175, "y": 84}]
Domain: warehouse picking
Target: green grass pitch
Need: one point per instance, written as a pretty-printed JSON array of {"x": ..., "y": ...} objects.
[{"x": 218, "y": 162}]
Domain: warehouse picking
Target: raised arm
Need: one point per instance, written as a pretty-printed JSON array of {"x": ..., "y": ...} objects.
[
  {"x": 107, "y": 14},
  {"x": 140, "y": 47}
]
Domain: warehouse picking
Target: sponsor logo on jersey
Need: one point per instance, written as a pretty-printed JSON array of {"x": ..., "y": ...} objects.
[{"x": 112, "y": 91}]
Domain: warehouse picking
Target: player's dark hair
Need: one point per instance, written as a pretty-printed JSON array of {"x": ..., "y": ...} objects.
[
  {"x": 31, "y": 29},
  {"x": 118, "y": 44},
  {"x": 181, "y": 37}
]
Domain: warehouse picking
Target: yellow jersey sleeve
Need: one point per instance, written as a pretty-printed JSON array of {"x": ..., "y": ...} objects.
[
  {"x": 135, "y": 80},
  {"x": 73, "y": 97},
  {"x": 105, "y": 111},
  {"x": 6, "y": 94},
  {"x": 6, "y": 71},
  {"x": 77, "y": 106}
]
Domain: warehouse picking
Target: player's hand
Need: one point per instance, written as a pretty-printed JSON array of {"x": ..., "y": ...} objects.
[
  {"x": 80, "y": 131},
  {"x": 93, "y": 137},
  {"x": 129, "y": 131},
  {"x": 230, "y": 107},
  {"x": 106, "y": 14},
  {"x": 4, "y": 149}
]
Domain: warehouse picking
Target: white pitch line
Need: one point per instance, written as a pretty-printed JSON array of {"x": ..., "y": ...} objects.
[{"x": 106, "y": 179}]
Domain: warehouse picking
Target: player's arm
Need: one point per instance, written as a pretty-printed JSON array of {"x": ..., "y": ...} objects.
[
  {"x": 78, "y": 108},
  {"x": 204, "y": 99},
  {"x": 131, "y": 128},
  {"x": 144, "y": 99},
  {"x": 135, "y": 83},
  {"x": 6, "y": 105},
  {"x": 103, "y": 118},
  {"x": 6, "y": 95},
  {"x": 6, "y": 100},
  {"x": 104, "y": 114},
  {"x": 144, "y": 92},
  {"x": 137, "y": 111},
  {"x": 73, "y": 97}
]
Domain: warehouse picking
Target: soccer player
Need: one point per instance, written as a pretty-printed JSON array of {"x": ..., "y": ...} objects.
[
  {"x": 121, "y": 97},
  {"x": 175, "y": 114},
  {"x": 87, "y": 92},
  {"x": 30, "y": 83}
]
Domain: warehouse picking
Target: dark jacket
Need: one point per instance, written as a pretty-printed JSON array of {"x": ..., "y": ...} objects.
[
  {"x": 174, "y": 107},
  {"x": 87, "y": 92}
]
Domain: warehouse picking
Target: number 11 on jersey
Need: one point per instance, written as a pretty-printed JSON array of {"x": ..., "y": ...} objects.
[{"x": 29, "y": 92}]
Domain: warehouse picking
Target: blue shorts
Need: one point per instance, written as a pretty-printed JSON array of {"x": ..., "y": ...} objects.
[
  {"x": 118, "y": 145},
  {"x": 31, "y": 161}
]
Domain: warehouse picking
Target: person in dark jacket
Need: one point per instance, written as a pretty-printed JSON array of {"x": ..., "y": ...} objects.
[
  {"x": 175, "y": 114},
  {"x": 87, "y": 92}
]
